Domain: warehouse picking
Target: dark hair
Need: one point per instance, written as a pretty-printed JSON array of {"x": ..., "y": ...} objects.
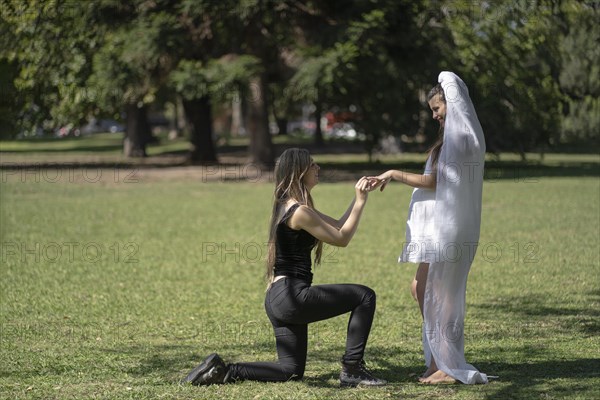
[
  {"x": 290, "y": 169},
  {"x": 434, "y": 150},
  {"x": 437, "y": 89}
]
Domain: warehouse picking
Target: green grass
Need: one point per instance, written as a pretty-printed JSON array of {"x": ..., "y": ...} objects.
[{"x": 115, "y": 290}]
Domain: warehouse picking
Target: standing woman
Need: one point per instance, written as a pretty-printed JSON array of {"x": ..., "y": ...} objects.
[
  {"x": 291, "y": 301},
  {"x": 443, "y": 227}
]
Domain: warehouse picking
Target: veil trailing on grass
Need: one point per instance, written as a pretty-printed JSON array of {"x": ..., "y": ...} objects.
[{"x": 457, "y": 219}]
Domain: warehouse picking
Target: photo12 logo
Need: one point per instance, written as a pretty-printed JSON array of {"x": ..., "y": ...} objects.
[
  {"x": 69, "y": 252},
  {"x": 66, "y": 173},
  {"x": 235, "y": 173},
  {"x": 250, "y": 252},
  {"x": 491, "y": 252}
]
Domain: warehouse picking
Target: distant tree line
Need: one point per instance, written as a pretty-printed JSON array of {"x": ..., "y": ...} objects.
[{"x": 533, "y": 66}]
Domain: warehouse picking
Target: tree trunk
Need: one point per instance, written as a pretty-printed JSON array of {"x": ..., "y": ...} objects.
[
  {"x": 281, "y": 120},
  {"x": 318, "y": 133},
  {"x": 199, "y": 119},
  {"x": 137, "y": 131},
  {"x": 178, "y": 123},
  {"x": 237, "y": 116},
  {"x": 282, "y": 126},
  {"x": 261, "y": 147}
]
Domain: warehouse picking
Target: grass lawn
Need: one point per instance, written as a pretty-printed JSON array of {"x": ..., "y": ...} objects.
[{"x": 115, "y": 290}]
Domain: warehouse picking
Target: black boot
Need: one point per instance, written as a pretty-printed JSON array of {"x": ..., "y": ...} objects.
[
  {"x": 211, "y": 371},
  {"x": 355, "y": 373}
]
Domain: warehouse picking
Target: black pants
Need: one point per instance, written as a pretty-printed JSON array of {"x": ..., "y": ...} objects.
[{"x": 292, "y": 304}]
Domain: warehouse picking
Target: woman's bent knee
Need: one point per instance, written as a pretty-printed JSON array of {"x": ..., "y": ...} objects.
[
  {"x": 369, "y": 295},
  {"x": 293, "y": 372}
]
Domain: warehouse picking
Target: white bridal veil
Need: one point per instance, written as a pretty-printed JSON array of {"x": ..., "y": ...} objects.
[{"x": 456, "y": 223}]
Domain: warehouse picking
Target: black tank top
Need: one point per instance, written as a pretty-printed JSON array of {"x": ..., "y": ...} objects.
[{"x": 292, "y": 250}]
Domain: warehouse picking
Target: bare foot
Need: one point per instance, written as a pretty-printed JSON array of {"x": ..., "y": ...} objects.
[
  {"x": 438, "y": 377},
  {"x": 431, "y": 370}
]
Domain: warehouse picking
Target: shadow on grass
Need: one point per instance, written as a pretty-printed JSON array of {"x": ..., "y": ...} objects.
[
  {"x": 330, "y": 172},
  {"x": 173, "y": 362},
  {"x": 377, "y": 359},
  {"x": 555, "y": 378},
  {"x": 532, "y": 379},
  {"x": 584, "y": 319},
  {"x": 528, "y": 171},
  {"x": 168, "y": 362}
]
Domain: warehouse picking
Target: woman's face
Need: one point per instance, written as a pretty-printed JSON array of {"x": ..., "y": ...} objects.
[
  {"x": 311, "y": 177},
  {"x": 438, "y": 107}
]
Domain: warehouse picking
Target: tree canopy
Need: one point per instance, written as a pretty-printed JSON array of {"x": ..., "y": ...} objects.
[{"x": 532, "y": 67}]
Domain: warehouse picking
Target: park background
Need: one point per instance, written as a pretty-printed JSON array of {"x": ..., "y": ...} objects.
[{"x": 137, "y": 141}]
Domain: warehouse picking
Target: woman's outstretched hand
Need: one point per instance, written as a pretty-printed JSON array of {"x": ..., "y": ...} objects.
[{"x": 378, "y": 181}]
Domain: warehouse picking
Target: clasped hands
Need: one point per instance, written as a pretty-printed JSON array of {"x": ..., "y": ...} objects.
[{"x": 370, "y": 183}]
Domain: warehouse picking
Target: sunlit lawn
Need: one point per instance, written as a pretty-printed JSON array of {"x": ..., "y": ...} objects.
[{"x": 115, "y": 290}]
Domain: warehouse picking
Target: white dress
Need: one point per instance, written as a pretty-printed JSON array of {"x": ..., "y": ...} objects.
[
  {"x": 443, "y": 230},
  {"x": 419, "y": 225}
]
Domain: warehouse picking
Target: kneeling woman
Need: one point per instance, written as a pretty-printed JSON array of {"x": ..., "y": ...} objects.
[{"x": 291, "y": 301}]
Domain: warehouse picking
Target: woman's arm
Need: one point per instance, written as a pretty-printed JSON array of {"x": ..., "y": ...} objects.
[
  {"x": 337, "y": 223},
  {"x": 408, "y": 178},
  {"x": 311, "y": 221}
]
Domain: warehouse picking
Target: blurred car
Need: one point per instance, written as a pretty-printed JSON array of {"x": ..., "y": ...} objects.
[
  {"x": 102, "y": 125},
  {"x": 301, "y": 126},
  {"x": 342, "y": 130}
]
